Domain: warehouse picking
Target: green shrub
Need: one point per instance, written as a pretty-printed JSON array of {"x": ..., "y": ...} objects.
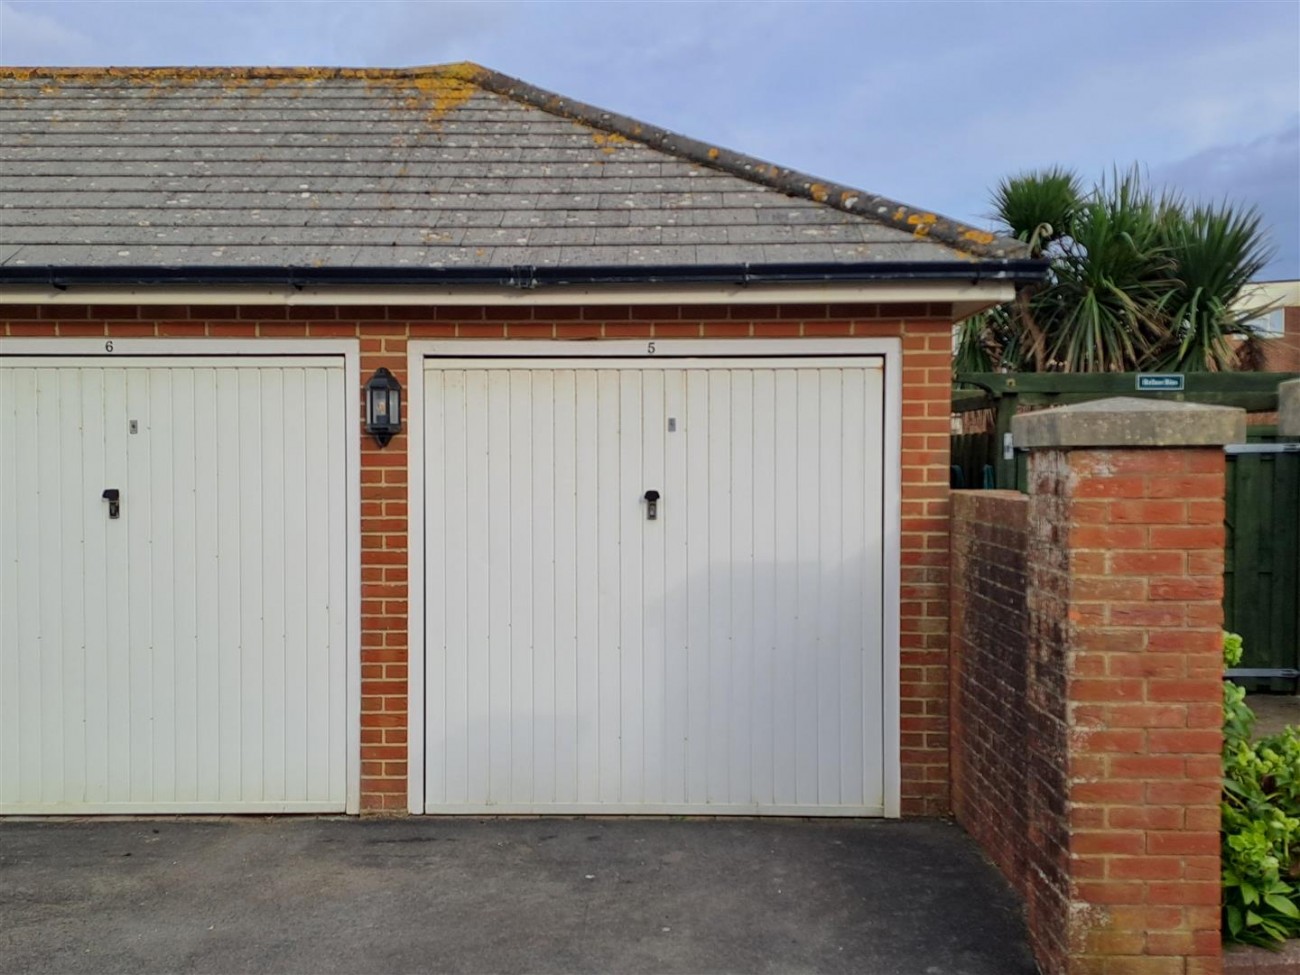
[{"x": 1261, "y": 823}]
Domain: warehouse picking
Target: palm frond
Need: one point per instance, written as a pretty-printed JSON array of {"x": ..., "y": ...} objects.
[{"x": 1037, "y": 207}]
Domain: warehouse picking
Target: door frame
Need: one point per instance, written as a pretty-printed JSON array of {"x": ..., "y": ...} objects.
[
  {"x": 109, "y": 348},
  {"x": 775, "y": 352}
]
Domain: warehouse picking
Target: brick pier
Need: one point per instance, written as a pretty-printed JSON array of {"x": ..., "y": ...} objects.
[{"x": 1117, "y": 729}]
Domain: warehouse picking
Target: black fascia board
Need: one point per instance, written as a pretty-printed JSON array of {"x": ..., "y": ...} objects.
[{"x": 524, "y": 277}]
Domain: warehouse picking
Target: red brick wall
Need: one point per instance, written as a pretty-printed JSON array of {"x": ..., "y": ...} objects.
[
  {"x": 1049, "y": 570},
  {"x": 1282, "y": 354},
  {"x": 1143, "y": 635},
  {"x": 925, "y": 331},
  {"x": 1010, "y": 731},
  {"x": 989, "y": 678},
  {"x": 1087, "y": 704},
  {"x": 1106, "y": 760}
]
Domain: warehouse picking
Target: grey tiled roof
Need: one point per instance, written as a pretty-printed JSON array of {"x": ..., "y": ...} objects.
[{"x": 433, "y": 167}]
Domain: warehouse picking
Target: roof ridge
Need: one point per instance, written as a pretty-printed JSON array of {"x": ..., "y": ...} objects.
[{"x": 922, "y": 224}]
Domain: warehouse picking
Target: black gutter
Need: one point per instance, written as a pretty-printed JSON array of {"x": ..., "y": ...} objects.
[{"x": 524, "y": 277}]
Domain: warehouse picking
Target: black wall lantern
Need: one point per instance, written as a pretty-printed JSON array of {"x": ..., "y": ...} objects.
[{"x": 383, "y": 406}]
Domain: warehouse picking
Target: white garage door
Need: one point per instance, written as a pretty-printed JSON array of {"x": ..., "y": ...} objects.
[
  {"x": 724, "y": 656},
  {"x": 187, "y": 655}
]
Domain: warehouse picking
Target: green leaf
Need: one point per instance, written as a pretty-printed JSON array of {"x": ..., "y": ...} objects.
[{"x": 1283, "y": 905}]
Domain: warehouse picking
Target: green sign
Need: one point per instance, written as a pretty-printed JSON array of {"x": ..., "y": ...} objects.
[{"x": 1161, "y": 382}]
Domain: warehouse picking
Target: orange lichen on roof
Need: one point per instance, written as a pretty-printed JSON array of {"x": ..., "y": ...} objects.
[
  {"x": 608, "y": 141},
  {"x": 439, "y": 94},
  {"x": 922, "y": 222},
  {"x": 818, "y": 192},
  {"x": 979, "y": 236},
  {"x": 713, "y": 152}
]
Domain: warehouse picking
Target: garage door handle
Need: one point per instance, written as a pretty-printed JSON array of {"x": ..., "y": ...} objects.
[
  {"x": 651, "y": 505},
  {"x": 112, "y": 496}
]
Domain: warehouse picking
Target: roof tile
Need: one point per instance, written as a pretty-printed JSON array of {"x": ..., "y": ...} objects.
[{"x": 443, "y": 166}]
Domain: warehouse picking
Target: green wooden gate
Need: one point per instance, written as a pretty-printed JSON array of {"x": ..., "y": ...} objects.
[{"x": 1262, "y": 559}]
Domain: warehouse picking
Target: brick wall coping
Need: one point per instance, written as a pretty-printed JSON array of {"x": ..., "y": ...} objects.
[
  {"x": 1288, "y": 409},
  {"x": 1126, "y": 421}
]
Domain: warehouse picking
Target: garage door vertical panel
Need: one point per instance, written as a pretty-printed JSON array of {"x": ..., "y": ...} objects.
[
  {"x": 162, "y": 539},
  {"x": 499, "y": 516},
  {"x": 872, "y": 607},
  {"x": 693, "y": 587},
  {"x": 73, "y": 505},
  {"x": 716, "y": 645},
  {"x": 541, "y": 501},
  {"x": 52, "y": 426},
  {"x": 339, "y": 410},
  {"x": 293, "y": 571},
  {"x": 16, "y": 427},
  {"x": 229, "y": 585},
  {"x": 764, "y": 515},
  {"x": 653, "y": 675},
  {"x": 95, "y": 529},
  {"x": 830, "y": 560},
  {"x": 565, "y": 618},
  {"x": 478, "y": 712},
  {"x": 587, "y": 411},
  {"x": 676, "y": 516},
  {"x": 518, "y": 703},
  {"x": 449, "y": 675},
  {"x": 807, "y": 517},
  {"x": 609, "y": 529},
  {"x": 786, "y": 610},
  {"x": 210, "y": 428},
  {"x": 272, "y": 677},
  {"x": 327, "y": 409},
  {"x": 138, "y": 515},
  {"x": 436, "y": 627},
  {"x": 740, "y": 512},
  {"x": 182, "y": 579},
  {"x": 850, "y": 661},
  {"x": 251, "y": 606},
  {"x": 116, "y": 579},
  {"x": 34, "y": 542},
  {"x": 631, "y": 598},
  {"x": 9, "y": 698}
]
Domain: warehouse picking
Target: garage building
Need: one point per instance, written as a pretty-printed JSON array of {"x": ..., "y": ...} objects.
[{"x": 664, "y": 525}]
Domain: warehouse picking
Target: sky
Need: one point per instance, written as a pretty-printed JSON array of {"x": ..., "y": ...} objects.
[{"x": 930, "y": 103}]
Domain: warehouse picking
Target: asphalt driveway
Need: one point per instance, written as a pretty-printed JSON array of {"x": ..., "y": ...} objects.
[{"x": 312, "y": 895}]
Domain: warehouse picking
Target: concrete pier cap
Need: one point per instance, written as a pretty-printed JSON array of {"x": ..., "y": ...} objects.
[
  {"x": 1127, "y": 421},
  {"x": 1288, "y": 409}
]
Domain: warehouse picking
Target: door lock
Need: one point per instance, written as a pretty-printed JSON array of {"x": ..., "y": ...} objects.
[
  {"x": 112, "y": 496},
  {"x": 651, "y": 505}
]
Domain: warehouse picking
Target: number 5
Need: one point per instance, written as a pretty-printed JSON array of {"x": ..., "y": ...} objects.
[{"x": 650, "y": 349}]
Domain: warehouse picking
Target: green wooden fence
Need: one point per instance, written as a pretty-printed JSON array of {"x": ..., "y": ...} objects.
[
  {"x": 1262, "y": 556},
  {"x": 1005, "y": 394},
  {"x": 1261, "y": 576}
]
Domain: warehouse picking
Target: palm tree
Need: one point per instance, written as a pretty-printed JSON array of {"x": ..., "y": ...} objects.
[{"x": 1136, "y": 281}]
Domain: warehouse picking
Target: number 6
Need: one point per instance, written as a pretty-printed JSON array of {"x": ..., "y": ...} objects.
[{"x": 108, "y": 346}]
